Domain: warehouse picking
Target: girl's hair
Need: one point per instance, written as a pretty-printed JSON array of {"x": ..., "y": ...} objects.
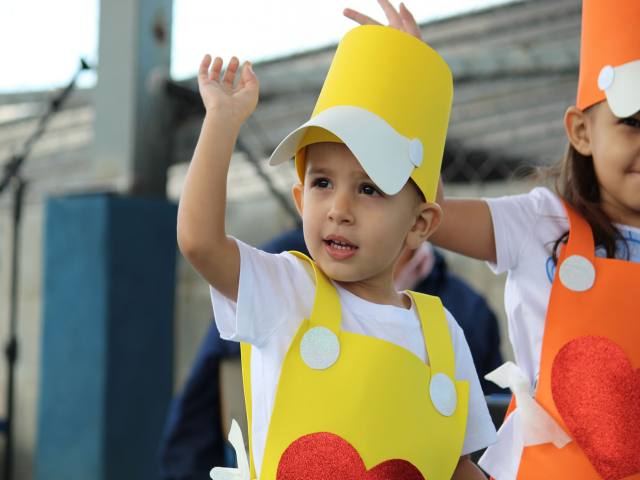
[{"x": 577, "y": 184}]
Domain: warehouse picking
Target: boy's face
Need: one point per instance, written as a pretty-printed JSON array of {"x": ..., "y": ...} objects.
[{"x": 354, "y": 232}]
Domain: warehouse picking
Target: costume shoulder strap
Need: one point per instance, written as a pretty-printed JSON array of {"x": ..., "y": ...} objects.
[
  {"x": 580, "y": 235},
  {"x": 326, "y": 310},
  {"x": 435, "y": 330}
]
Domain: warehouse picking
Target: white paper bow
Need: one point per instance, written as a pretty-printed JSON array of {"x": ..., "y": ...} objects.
[
  {"x": 242, "y": 472},
  {"x": 538, "y": 426}
]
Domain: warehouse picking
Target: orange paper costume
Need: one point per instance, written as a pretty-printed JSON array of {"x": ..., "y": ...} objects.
[{"x": 589, "y": 379}]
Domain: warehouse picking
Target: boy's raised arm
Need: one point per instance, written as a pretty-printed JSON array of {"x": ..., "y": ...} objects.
[{"x": 201, "y": 233}]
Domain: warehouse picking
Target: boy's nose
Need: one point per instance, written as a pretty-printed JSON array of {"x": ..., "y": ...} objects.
[{"x": 340, "y": 211}]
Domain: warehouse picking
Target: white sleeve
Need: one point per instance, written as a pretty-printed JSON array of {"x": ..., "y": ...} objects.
[
  {"x": 268, "y": 296},
  {"x": 480, "y": 431},
  {"x": 514, "y": 218}
]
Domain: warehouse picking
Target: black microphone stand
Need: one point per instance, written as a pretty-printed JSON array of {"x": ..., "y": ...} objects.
[{"x": 11, "y": 176}]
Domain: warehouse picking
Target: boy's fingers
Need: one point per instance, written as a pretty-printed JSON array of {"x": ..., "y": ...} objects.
[
  {"x": 203, "y": 71},
  {"x": 247, "y": 75},
  {"x": 216, "y": 69},
  {"x": 409, "y": 22},
  {"x": 394, "y": 19},
  {"x": 358, "y": 17},
  {"x": 230, "y": 73}
]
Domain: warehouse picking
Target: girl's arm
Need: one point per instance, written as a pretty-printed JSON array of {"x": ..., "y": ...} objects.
[
  {"x": 467, "y": 470},
  {"x": 201, "y": 233},
  {"x": 466, "y": 225}
]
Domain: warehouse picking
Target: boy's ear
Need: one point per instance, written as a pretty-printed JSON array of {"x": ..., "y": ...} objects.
[
  {"x": 427, "y": 221},
  {"x": 577, "y": 128},
  {"x": 298, "y": 196}
]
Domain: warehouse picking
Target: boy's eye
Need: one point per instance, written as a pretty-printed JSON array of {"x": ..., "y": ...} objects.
[
  {"x": 367, "y": 189},
  {"x": 631, "y": 122},
  {"x": 321, "y": 183}
]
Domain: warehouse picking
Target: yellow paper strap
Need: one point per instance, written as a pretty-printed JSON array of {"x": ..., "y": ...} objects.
[
  {"x": 326, "y": 300},
  {"x": 435, "y": 331}
]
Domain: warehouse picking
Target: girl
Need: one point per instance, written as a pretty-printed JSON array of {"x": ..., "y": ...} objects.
[{"x": 573, "y": 273}]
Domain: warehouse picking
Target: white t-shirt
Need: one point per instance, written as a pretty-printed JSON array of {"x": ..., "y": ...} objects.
[
  {"x": 276, "y": 293},
  {"x": 526, "y": 228}
]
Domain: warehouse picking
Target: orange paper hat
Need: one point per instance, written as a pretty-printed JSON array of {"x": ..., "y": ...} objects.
[{"x": 610, "y": 55}]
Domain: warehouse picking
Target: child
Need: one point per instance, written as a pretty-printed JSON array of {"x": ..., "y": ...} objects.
[
  {"x": 572, "y": 290},
  {"x": 343, "y": 374}
]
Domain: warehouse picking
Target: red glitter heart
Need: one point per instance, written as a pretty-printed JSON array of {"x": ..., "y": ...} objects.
[
  {"x": 325, "y": 456},
  {"x": 597, "y": 393}
]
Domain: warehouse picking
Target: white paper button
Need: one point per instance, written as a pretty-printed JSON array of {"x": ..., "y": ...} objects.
[
  {"x": 416, "y": 152},
  {"x": 606, "y": 77},
  {"x": 319, "y": 348},
  {"x": 443, "y": 394},
  {"x": 577, "y": 273}
]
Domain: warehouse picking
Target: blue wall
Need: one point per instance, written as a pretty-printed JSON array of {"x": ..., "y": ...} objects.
[{"x": 107, "y": 342}]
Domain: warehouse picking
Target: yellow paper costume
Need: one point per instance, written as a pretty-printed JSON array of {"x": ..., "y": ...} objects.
[
  {"x": 350, "y": 406},
  {"x": 376, "y": 396}
]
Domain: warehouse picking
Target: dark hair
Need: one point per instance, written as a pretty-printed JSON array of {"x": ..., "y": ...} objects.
[{"x": 577, "y": 184}]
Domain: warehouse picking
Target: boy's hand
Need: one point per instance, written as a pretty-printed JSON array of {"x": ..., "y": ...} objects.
[
  {"x": 220, "y": 95},
  {"x": 402, "y": 19}
]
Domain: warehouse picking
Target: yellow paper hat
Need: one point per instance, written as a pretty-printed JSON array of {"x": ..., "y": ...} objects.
[{"x": 387, "y": 97}]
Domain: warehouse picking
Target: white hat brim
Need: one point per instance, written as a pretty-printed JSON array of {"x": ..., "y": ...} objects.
[
  {"x": 623, "y": 89},
  {"x": 387, "y": 156}
]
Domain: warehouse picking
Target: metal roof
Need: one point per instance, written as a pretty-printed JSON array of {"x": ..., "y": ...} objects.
[{"x": 515, "y": 72}]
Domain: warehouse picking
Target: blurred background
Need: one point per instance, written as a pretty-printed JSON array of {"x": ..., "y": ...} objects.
[{"x": 100, "y": 317}]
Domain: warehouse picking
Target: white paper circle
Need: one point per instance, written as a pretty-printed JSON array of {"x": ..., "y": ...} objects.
[
  {"x": 577, "y": 273},
  {"x": 416, "y": 152},
  {"x": 319, "y": 348},
  {"x": 606, "y": 77},
  {"x": 443, "y": 394}
]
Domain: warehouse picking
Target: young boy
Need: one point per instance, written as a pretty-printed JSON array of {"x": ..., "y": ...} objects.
[{"x": 345, "y": 378}]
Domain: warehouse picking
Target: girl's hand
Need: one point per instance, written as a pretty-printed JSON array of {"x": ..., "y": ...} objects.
[
  {"x": 220, "y": 95},
  {"x": 402, "y": 19}
]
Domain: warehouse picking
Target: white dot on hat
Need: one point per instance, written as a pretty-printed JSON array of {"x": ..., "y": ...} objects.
[
  {"x": 443, "y": 394},
  {"x": 416, "y": 152},
  {"x": 606, "y": 77},
  {"x": 319, "y": 348},
  {"x": 577, "y": 273}
]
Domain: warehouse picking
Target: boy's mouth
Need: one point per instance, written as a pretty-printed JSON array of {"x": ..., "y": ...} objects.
[{"x": 339, "y": 247}]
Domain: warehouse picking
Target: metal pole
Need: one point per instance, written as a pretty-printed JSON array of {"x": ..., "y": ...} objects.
[{"x": 12, "y": 344}]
